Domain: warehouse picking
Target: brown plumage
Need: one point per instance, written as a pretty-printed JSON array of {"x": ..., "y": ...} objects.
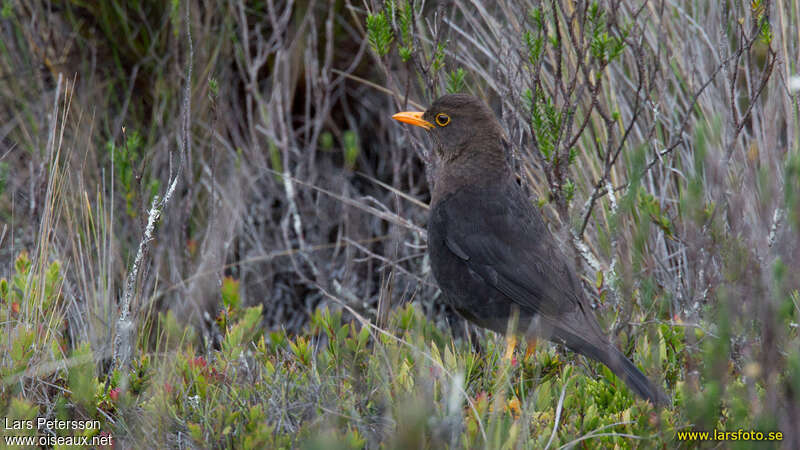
[{"x": 491, "y": 253}]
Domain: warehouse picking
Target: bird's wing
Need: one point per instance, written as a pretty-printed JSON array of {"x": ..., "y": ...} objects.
[{"x": 501, "y": 237}]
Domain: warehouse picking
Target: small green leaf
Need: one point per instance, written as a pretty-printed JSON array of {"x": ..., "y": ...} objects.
[
  {"x": 4, "y": 292},
  {"x": 242, "y": 332},
  {"x": 326, "y": 140},
  {"x": 455, "y": 81},
  {"x": 195, "y": 431},
  {"x": 82, "y": 381},
  {"x": 230, "y": 293},
  {"x": 8, "y": 9},
  {"x": 569, "y": 190},
  {"x": 275, "y": 161},
  {"x": 351, "y": 149},
  {"x": 379, "y": 33},
  {"x": 438, "y": 57},
  {"x": 363, "y": 337},
  {"x": 213, "y": 86}
]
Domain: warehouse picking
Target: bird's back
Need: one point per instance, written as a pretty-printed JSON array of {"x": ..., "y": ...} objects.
[{"x": 495, "y": 235}]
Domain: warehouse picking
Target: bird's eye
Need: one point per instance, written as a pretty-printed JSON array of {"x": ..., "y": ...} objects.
[{"x": 442, "y": 119}]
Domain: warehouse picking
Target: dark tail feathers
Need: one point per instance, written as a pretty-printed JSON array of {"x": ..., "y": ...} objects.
[
  {"x": 618, "y": 363},
  {"x": 633, "y": 377}
]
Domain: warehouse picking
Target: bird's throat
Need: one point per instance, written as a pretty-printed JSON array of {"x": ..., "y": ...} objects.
[{"x": 470, "y": 168}]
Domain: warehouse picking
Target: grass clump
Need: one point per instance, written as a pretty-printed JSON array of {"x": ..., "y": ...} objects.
[{"x": 347, "y": 383}]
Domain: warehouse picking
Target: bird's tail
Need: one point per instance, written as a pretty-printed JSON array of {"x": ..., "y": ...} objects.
[
  {"x": 633, "y": 377},
  {"x": 619, "y": 364}
]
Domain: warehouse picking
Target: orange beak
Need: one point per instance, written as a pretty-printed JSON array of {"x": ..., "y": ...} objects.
[{"x": 413, "y": 118}]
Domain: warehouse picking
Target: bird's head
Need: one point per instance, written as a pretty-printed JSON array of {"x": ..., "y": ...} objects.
[{"x": 458, "y": 123}]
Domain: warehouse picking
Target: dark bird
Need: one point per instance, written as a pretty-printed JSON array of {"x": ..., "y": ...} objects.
[{"x": 492, "y": 254}]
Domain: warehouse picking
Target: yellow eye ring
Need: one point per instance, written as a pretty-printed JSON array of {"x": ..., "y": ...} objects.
[{"x": 442, "y": 119}]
